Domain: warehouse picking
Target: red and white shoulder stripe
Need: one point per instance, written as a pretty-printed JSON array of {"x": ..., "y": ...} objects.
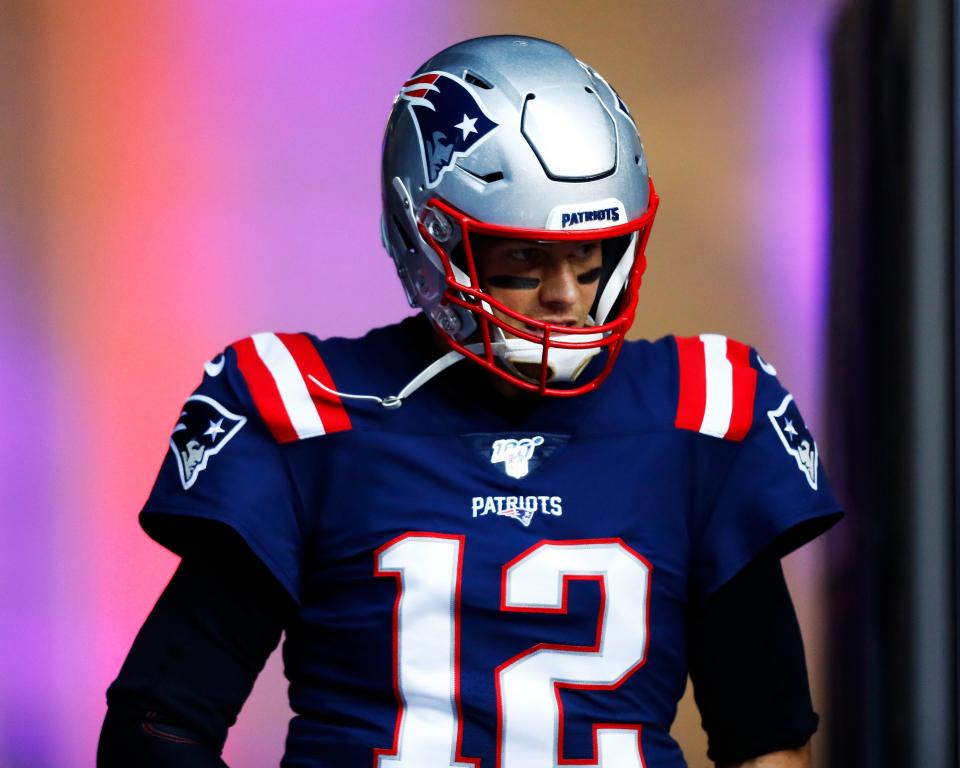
[
  {"x": 277, "y": 367},
  {"x": 717, "y": 386}
]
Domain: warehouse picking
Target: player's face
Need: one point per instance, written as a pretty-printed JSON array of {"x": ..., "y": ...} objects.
[{"x": 552, "y": 282}]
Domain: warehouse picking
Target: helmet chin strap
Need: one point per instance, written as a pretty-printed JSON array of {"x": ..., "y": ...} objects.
[
  {"x": 565, "y": 365},
  {"x": 395, "y": 401}
]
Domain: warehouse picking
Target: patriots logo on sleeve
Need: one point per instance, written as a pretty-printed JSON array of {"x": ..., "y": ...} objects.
[
  {"x": 796, "y": 438},
  {"x": 449, "y": 118},
  {"x": 202, "y": 431}
]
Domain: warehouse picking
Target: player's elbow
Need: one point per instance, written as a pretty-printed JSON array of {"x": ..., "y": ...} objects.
[
  {"x": 789, "y": 758},
  {"x": 148, "y": 740}
]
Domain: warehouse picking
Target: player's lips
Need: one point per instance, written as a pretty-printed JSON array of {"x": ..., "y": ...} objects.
[{"x": 566, "y": 322}]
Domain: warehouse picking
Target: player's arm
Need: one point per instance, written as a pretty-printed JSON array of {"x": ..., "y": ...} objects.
[
  {"x": 762, "y": 493},
  {"x": 749, "y": 673},
  {"x": 194, "y": 661}
]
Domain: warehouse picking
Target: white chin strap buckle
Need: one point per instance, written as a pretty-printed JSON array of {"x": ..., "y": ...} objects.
[{"x": 564, "y": 365}]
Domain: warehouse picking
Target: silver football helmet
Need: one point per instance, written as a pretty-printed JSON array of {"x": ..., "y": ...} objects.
[{"x": 513, "y": 137}]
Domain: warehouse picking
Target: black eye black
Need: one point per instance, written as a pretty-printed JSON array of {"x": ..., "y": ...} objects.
[
  {"x": 590, "y": 276},
  {"x": 513, "y": 282}
]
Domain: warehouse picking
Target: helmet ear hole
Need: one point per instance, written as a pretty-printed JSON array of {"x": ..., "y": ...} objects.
[
  {"x": 402, "y": 261},
  {"x": 407, "y": 243}
]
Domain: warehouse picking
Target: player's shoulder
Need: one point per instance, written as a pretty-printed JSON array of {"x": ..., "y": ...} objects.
[
  {"x": 710, "y": 384},
  {"x": 290, "y": 382}
]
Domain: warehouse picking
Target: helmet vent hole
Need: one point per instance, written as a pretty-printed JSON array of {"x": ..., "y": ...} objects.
[
  {"x": 486, "y": 178},
  {"x": 476, "y": 80},
  {"x": 588, "y": 89},
  {"x": 636, "y": 159}
]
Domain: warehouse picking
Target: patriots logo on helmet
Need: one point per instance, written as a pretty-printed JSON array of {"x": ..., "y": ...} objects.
[
  {"x": 449, "y": 118},
  {"x": 203, "y": 429},
  {"x": 796, "y": 438}
]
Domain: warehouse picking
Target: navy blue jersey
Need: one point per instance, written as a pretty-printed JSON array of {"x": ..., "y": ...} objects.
[{"x": 484, "y": 580}]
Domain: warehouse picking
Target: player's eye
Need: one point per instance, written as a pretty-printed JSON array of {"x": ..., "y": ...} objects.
[
  {"x": 523, "y": 255},
  {"x": 586, "y": 251}
]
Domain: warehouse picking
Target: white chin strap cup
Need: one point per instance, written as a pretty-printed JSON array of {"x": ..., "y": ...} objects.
[{"x": 564, "y": 365}]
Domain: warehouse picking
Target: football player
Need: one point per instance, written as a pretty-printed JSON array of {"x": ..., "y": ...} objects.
[{"x": 495, "y": 534}]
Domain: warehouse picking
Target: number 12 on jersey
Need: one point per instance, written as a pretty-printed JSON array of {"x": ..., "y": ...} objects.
[{"x": 426, "y": 641}]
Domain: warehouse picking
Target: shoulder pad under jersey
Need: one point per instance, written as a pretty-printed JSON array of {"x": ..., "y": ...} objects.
[
  {"x": 281, "y": 371},
  {"x": 717, "y": 386}
]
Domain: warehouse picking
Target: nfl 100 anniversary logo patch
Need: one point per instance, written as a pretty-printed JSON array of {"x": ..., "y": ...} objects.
[
  {"x": 202, "y": 431},
  {"x": 517, "y": 456}
]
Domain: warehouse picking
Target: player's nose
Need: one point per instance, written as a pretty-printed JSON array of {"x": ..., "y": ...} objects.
[{"x": 558, "y": 286}]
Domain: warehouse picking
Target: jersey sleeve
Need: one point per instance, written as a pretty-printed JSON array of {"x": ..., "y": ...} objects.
[
  {"x": 761, "y": 484},
  {"x": 224, "y": 466}
]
